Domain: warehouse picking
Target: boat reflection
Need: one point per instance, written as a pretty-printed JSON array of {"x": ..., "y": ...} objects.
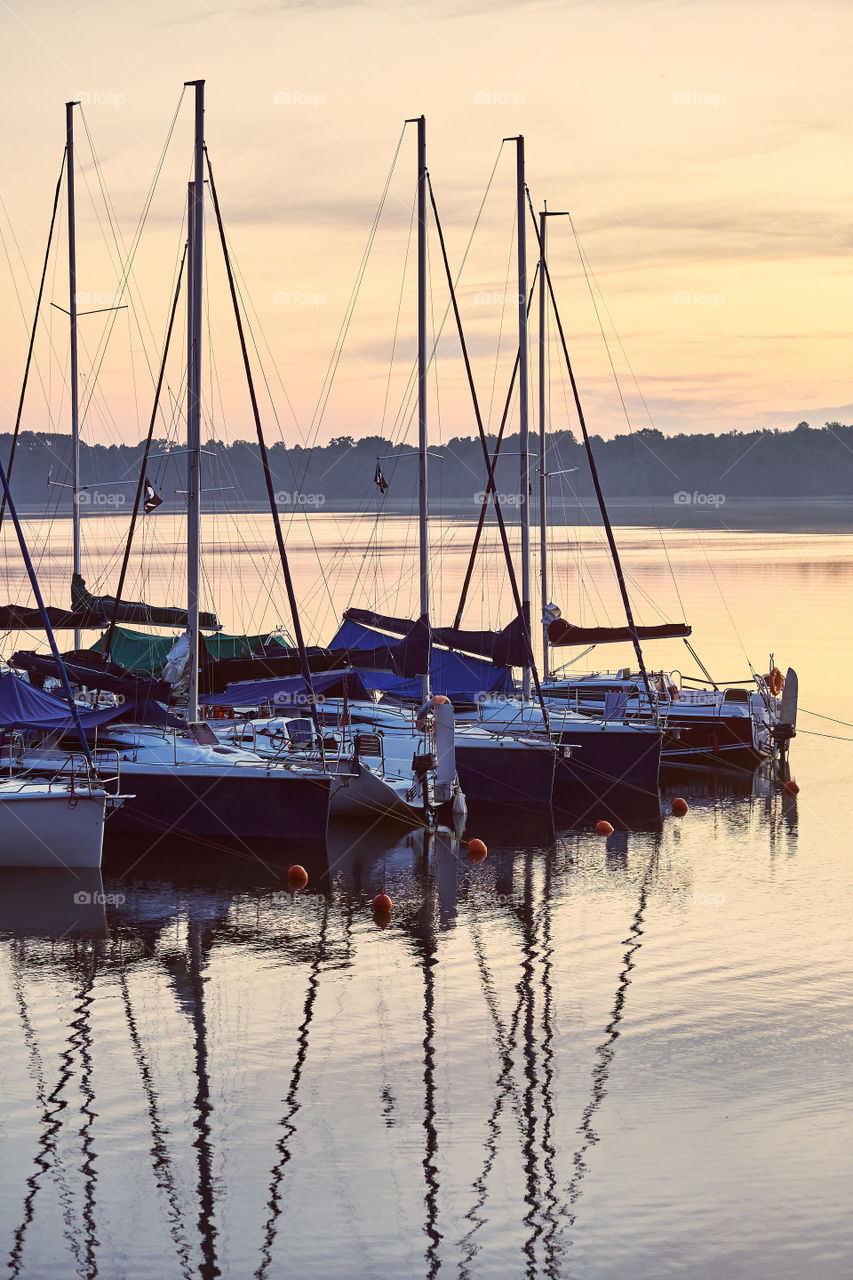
[{"x": 168, "y": 923}]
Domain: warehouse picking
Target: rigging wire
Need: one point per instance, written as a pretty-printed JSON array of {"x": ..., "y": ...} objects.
[{"x": 589, "y": 277}]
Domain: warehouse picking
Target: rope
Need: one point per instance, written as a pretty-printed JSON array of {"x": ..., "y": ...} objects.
[
  {"x": 846, "y": 723},
  {"x": 523, "y": 615},
  {"x": 588, "y": 272},
  {"x": 617, "y": 565},
  {"x": 26, "y": 379}
]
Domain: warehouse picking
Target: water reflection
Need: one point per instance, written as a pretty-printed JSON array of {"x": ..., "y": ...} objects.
[{"x": 502, "y": 945}]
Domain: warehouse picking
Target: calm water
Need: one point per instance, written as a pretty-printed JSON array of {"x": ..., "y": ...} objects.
[{"x": 579, "y": 1058}]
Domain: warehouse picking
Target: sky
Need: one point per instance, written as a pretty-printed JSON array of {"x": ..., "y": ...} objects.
[{"x": 702, "y": 150}]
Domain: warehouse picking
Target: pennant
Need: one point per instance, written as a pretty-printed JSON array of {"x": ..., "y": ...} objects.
[
  {"x": 379, "y": 479},
  {"x": 151, "y": 501}
]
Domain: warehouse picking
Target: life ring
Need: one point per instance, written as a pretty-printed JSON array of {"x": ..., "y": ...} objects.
[
  {"x": 436, "y": 700},
  {"x": 775, "y": 682}
]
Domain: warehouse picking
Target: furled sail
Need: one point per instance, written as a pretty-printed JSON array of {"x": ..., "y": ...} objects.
[
  {"x": 86, "y": 668},
  {"x": 409, "y": 657},
  {"x": 561, "y": 633},
  {"x": 505, "y": 648},
  {"x": 98, "y": 610},
  {"x": 16, "y": 617}
]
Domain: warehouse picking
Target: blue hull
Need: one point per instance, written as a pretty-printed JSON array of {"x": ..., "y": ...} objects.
[
  {"x": 288, "y": 809},
  {"x": 606, "y": 764},
  {"x": 513, "y": 777}
]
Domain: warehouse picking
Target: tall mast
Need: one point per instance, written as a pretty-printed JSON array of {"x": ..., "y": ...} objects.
[
  {"x": 194, "y": 318},
  {"x": 523, "y": 440},
  {"x": 543, "y": 474},
  {"x": 543, "y": 460},
  {"x": 423, "y": 505},
  {"x": 72, "y": 314}
]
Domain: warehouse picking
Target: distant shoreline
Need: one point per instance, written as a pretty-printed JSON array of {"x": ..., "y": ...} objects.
[{"x": 791, "y": 515}]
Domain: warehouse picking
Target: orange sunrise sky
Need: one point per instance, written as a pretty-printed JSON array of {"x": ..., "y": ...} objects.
[{"x": 702, "y": 149}]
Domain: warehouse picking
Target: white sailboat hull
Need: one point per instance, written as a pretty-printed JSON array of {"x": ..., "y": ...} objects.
[{"x": 46, "y": 826}]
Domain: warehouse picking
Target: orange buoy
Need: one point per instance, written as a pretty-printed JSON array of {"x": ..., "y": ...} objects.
[
  {"x": 679, "y": 807},
  {"x": 382, "y": 904},
  {"x": 477, "y": 850},
  {"x": 382, "y": 919},
  {"x": 603, "y": 828},
  {"x": 297, "y": 877},
  {"x": 791, "y": 787}
]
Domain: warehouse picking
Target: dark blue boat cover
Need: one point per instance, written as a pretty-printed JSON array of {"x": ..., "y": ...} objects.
[
  {"x": 458, "y": 677},
  {"x": 289, "y": 691},
  {"x": 24, "y": 707}
]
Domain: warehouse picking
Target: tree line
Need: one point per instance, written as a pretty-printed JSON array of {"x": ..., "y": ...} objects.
[{"x": 807, "y": 462}]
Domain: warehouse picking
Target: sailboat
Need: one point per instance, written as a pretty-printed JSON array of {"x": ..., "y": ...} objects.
[
  {"x": 501, "y": 769},
  {"x": 702, "y": 724},
  {"x": 184, "y": 782},
  {"x": 589, "y": 759},
  {"x": 57, "y": 820}
]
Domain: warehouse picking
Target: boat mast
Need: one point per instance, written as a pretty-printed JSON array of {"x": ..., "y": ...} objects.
[
  {"x": 72, "y": 315},
  {"x": 423, "y": 479},
  {"x": 194, "y": 318},
  {"x": 543, "y": 461},
  {"x": 543, "y": 480},
  {"x": 523, "y": 440}
]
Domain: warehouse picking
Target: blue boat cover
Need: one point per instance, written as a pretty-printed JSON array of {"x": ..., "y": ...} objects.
[
  {"x": 24, "y": 707},
  {"x": 289, "y": 691},
  {"x": 458, "y": 677}
]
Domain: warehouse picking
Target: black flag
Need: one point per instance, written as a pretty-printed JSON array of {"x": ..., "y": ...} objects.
[
  {"x": 379, "y": 479},
  {"x": 152, "y": 502}
]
